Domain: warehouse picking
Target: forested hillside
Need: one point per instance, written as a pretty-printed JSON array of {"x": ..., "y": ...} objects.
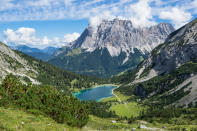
[
  {"x": 51, "y": 75},
  {"x": 30, "y": 70}
]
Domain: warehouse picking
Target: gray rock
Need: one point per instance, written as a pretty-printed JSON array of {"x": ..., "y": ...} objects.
[
  {"x": 121, "y": 36},
  {"x": 179, "y": 48},
  {"x": 143, "y": 127},
  {"x": 11, "y": 62}
]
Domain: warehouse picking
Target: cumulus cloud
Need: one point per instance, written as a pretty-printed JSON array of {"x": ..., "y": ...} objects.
[
  {"x": 70, "y": 37},
  {"x": 97, "y": 19},
  {"x": 178, "y": 16},
  {"x": 142, "y": 13},
  {"x": 27, "y": 36},
  {"x": 22, "y": 36}
]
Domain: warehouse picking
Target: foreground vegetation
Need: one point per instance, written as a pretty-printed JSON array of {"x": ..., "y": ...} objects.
[
  {"x": 12, "y": 119},
  {"x": 45, "y": 100},
  {"x": 115, "y": 113},
  {"x": 156, "y": 101},
  {"x": 135, "y": 113},
  {"x": 33, "y": 107}
]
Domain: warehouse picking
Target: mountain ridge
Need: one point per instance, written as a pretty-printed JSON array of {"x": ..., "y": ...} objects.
[
  {"x": 42, "y": 54},
  {"x": 31, "y": 70},
  {"x": 98, "y": 37},
  {"x": 125, "y": 44},
  {"x": 168, "y": 76}
]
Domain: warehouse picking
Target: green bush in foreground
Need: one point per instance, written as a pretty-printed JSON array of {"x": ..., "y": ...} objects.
[{"x": 43, "y": 100}]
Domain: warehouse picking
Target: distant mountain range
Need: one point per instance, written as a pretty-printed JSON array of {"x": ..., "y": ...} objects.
[
  {"x": 110, "y": 48},
  {"x": 106, "y": 50},
  {"x": 42, "y": 54}
]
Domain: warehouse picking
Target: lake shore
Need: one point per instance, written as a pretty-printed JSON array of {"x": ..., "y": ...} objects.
[
  {"x": 75, "y": 93},
  {"x": 95, "y": 86},
  {"x": 115, "y": 94},
  {"x": 104, "y": 85}
]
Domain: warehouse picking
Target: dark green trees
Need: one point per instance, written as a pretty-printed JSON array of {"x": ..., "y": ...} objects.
[{"x": 46, "y": 100}]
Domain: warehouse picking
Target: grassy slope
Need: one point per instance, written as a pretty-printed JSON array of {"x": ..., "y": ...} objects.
[
  {"x": 124, "y": 108},
  {"x": 11, "y": 120},
  {"x": 133, "y": 109}
]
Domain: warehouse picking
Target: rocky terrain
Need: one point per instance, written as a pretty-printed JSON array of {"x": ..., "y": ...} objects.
[
  {"x": 170, "y": 72},
  {"x": 179, "y": 48},
  {"x": 30, "y": 70},
  {"x": 11, "y": 62},
  {"x": 123, "y": 45},
  {"x": 120, "y": 36}
]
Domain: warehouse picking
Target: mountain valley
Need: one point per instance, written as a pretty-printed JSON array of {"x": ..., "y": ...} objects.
[
  {"x": 110, "y": 48},
  {"x": 153, "y": 79},
  {"x": 42, "y": 54}
]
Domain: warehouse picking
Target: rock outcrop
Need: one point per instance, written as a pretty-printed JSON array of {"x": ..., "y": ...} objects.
[{"x": 122, "y": 44}]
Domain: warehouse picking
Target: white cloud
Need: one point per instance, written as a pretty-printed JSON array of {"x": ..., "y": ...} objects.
[
  {"x": 46, "y": 41},
  {"x": 97, "y": 19},
  {"x": 27, "y": 36},
  {"x": 6, "y": 4},
  {"x": 141, "y": 13},
  {"x": 67, "y": 2},
  {"x": 39, "y": 3},
  {"x": 194, "y": 5},
  {"x": 70, "y": 37},
  {"x": 178, "y": 16},
  {"x": 22, "y": 36}
]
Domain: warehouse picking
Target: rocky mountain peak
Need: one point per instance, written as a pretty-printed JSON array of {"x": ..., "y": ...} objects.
[
  {"x": 115, "y": 24},
  {"x": 120, "y": 36},
  {"x": 110, "y": 48}
]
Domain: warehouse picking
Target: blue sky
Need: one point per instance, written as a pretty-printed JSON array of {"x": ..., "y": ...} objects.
[
  {"x": 41, "y": 23},
  {"x": 51, "y": 28}
]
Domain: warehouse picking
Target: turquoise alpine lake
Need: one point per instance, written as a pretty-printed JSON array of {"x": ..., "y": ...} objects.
[{"x": 98, "y": 93}]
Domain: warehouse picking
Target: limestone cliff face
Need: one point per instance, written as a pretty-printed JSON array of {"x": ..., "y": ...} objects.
[
  {"x": 121, "y": 35},
  {"x": 113, "y": 46}
]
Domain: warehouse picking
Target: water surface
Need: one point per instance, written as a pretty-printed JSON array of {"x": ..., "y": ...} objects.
[{"x": 98, "y": 93}]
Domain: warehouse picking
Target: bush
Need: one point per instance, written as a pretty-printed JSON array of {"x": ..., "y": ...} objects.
[{"x": 43, "y": 100}]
